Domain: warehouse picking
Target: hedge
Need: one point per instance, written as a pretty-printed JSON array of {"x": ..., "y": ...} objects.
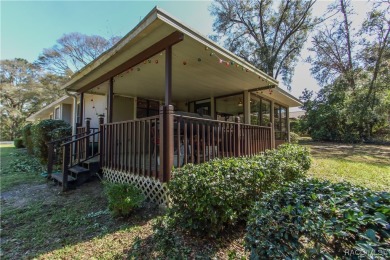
[
  {"x": 207, "y": 197},
  {"x": 18, "y": 143},
  {"x": 27, "y": 139},
  {"x": 42, "y": 134},
  {"x": 313, "y": 219}
]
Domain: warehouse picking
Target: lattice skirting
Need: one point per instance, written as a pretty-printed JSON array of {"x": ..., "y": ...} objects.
[{"x": 152, "y": 188}]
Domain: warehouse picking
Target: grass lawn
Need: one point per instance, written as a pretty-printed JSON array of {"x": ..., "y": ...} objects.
[
  {"x": 360, "y": 164},
  {"x": 39, "y": 221},
  {"x": 17, "y": 167}
]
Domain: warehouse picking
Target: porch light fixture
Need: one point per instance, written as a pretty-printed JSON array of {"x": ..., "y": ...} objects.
[{"x": 240, "y": 103}]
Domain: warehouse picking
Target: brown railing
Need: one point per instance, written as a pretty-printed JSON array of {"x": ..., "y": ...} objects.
[
  {"x": 72, "y": 156},
  {"x": 140, "y": 146},
  {"x": 131, "y": 146},
  {"x": 198, "y": 140}
]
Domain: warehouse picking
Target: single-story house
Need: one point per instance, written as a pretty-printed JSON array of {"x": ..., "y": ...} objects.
[{"x": 171, "y": 96}]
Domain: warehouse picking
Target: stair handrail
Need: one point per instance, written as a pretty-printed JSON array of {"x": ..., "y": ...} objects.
[{"x": 68, "y": 162}]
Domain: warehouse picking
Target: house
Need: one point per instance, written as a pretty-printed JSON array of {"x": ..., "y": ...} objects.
[
  {"x": 61, "y": 109},
  {"x": 171, "y": 96}
]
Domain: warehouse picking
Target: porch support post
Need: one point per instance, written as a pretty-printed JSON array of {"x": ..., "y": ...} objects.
[
  {"x": 247, "y": 107},
  {"x": 166, "y": 142},
  {"x": 288, "y": 123},
  {"x": 81, "y": 112},
  {"x": 212, "y": 105},
  {"x": 110, "y": 97},
  {"x": 272, "y": 126},
  {"x": 168, "y": 75},
  {"x": 88, "y": 129},
  {"x": 101, "y": 139},
  {"x": 237, "y": 137}
]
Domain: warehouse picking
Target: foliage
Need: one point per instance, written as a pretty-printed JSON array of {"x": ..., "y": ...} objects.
[
  {"x": 18, "y": 143},
  {"x": 22, "y": 94},
  {"x": 123, "y": 198},
  {"x": 26, "y": 137},
  {"x": 21, "y": 163},
  {"x": 42, "y": 134},
  {"x": 294, "y": 138},
  {"x": 353, "y": 69},
  {"x": 74, "y": 51},
  {"x": 269, "y": 35},
  {"x": 317, "y": 219},
  {"x": 207, "y": 197}
]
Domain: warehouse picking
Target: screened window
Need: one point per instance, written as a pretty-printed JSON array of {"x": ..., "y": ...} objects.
[
  {"x": 280, "y": 121},
  {"x": 57, "y": 113},
  {"x": 260, "y": 111},
  {"x": 227, "y": 108},
  {"x": 146, "y": 108}
]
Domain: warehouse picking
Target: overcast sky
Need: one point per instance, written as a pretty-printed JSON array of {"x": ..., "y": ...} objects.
[{"x": 29, "y": 26}]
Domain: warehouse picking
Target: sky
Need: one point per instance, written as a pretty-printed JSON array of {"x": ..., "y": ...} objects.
[{"x": 27, "y": 27}]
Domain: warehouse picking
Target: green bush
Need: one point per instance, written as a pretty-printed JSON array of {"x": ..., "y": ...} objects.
[
  {"x": 26, "y": 137},
  {"x": 18, "y": 143},
  {"x": 207, "y": 197},
  {"x": 317, "y": 219},
  {"x": 61, "y": 132},
  {"x": 42, "y": 134},
  {"x": 294, "y": 138},
  {"x": 123, "y": 198}
]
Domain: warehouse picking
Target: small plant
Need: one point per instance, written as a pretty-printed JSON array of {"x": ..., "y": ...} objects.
[
  {"x": 210, "y": 196},
  {"x": 18, "y": 143},
  {"x": 123, "y": 198},
  {"x": 317, "y": 219}
]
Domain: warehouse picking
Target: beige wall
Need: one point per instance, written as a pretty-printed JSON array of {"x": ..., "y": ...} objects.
[
  {"x": 100, "y": 103},
  {"x": 123, "y": 109}
]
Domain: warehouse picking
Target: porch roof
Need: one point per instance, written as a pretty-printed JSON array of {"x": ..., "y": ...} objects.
[
  {"x": 47, "y": 110},
  {"x": 200, "y": 68}
]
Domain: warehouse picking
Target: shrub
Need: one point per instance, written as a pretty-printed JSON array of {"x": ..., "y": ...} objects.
[
  {"x": 318, "y": 219},
  {"x": 18, "y": 143},
  {"x": 209, "y": 196},
  {"x": 123, "y": 198},
  {"x": 42, "y": 134},
  {"x": 61, "y": 132},
  {"x": 26, "y": 137},
  {"x": 294, "y": 138}
]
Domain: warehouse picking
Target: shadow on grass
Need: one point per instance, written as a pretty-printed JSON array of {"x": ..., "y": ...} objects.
[
  {"x": 378, "y": 155},
  {"x": 174, "y": 244},
  {"x": 38, "y": 221}
]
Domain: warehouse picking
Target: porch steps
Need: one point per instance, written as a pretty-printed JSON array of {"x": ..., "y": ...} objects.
[
  {"x": 80, "y": 173},
  {"x": 58, "y": 177}
]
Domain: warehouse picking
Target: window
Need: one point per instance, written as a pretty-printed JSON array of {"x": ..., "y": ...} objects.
[
  {"x": 228, "y": 108},
  {"x": 260, "y": 111},
  {"x": 57, "y": 113},
  {"x": 280, "y": 121},
  {"x": 146, "y": 108}
]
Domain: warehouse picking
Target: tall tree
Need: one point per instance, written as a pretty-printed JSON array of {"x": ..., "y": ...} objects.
[
  {"x": 355, "y": 65},
  {"x": 73, "y": 51},
  {"x": 267, "y": 34}
]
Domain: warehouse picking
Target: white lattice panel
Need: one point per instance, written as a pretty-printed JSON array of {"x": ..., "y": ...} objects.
[{"x": 151, "y": 188}]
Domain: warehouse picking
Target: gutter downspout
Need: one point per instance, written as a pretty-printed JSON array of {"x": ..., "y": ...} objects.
[{"x": 74, "y": 121}]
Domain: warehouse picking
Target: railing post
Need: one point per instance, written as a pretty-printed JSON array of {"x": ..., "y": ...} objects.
[
  {"x": 65, "y": 169},
  {"x": 166, "y": 142},
  {"x": 50, "y": 148},
  {"x": 101, "y": 139},
  {"x": 272, "y": 136},
  {"x": 88, "y": 130},
  {"x": 237, "y": 137}
]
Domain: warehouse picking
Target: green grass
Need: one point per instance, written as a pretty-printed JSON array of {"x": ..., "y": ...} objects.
[
  {"x": 17, "y": 167},
  {"x": 363, "y": 165}
]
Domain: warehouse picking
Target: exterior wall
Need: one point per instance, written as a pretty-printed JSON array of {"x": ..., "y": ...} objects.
[
  {"x": 93, "y": 105},
  {"x": 123, "y": 109},
  {"x": 66, "y": 113}
]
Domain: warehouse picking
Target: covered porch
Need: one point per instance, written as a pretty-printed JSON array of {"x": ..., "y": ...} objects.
[{"x": 175, "y": 97}]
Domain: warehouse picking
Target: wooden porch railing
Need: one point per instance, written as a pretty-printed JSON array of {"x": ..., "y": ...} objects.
[
  {"x": 146, "y": 148},
  {"x": 131, "y": 146}
]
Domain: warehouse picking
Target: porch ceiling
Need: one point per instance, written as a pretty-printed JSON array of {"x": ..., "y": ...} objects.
[{"x": 196, "y": 69}]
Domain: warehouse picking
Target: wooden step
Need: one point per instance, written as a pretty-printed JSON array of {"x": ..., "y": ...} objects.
[
  {"x": 78, "y": 169},
  {"x": 59, "y": 176}
]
